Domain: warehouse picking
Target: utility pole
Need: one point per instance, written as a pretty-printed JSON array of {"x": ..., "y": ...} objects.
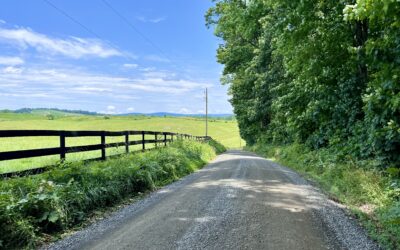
[{"x": 206, "y": 112}]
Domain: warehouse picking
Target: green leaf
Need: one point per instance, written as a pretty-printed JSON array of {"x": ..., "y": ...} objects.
[{"x": 54, "y": 216}]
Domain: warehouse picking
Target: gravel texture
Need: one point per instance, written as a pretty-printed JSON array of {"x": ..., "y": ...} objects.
[{"x": 239, "y": 201}]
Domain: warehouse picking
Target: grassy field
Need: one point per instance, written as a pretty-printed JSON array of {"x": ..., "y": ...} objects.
[{"x": 224, "y": 131}]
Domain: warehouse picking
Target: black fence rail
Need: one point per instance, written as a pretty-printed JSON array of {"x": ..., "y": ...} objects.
[{"x": 160, "y": 139}]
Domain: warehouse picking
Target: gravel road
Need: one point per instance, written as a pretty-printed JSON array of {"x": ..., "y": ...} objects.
[{"x": 239, "y": 201}]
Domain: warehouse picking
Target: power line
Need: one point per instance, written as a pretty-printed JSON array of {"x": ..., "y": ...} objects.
[
  {"x": 80, "y": 24},
  {"x": 123, "y": 18}
]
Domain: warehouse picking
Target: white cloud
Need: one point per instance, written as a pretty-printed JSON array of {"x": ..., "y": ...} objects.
[
  {"x": 148, "y": 69},
  {"x": 74, "y": 82},
  {"x": 184, "y": 111},
  {"x": 150, "y": 20},
  {"x": 73, "y": 47},
  {"x": 29, "y": 95},
  {"x": 12, "y": 70},
  {"x": 156, "y": 58},
  {"x": 2, "y": 21},
  {"x": 130, "y": 65},
  {"x": 88, "y": 89},
  {"x": 110, "y": 110},
  {"x": 130, "y": 109},
  {"x": 158, "y": 74},
  {"x": 8, "y": 60}
]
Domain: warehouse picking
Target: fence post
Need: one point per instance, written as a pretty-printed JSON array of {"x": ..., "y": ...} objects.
[
  {"x": 155, "y": 138},
  {"x": 62, "y": 146},
  {"x": 127, "y": 141},
  {"x": 172, "y": 137},
  {"x": 143, "y": 143},
  {"x": 165, "y": 139},
  {"x": 103, "y": 145}
]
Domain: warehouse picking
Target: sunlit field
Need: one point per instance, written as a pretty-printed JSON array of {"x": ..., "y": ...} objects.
[{"x": 225, "y": 131}]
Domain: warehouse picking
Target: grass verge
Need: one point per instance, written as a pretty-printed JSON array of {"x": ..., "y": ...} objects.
[
  {"x": 34, "y": 208},
  {"x": 373, "y": 196}
]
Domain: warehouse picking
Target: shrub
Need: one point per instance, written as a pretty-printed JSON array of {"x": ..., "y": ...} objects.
[
  {"x": 218, "y": 146},
  {"x": 64, "y": 196}
]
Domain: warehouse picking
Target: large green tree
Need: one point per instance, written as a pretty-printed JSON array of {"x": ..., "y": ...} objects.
[
  {"x": 382, "y": 49},
  {"x": 320, "y": 72}
]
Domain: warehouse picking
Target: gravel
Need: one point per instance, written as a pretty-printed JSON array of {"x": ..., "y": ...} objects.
[
  {"x": 239, "y": 201},
  {"x": 341, "y": 225}
]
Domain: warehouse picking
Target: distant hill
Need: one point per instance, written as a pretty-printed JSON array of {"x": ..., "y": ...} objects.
[
  {"x": 67, "y": 112},
  {"x": 180, "y": 115},
  {"x": 49, "y": 111},
  {"x": 53, "y": 111}
]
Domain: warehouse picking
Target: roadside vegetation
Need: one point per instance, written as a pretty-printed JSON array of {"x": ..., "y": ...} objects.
[
  {"x": 35, "y": 208},
  {"x": 316, "y": 84},
  {"x": 369, "y": 194},
  {"x": 224, "y": 131}
]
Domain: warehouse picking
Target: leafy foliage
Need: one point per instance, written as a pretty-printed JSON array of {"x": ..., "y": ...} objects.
[
  {"x": 324, "y": 73},
  {"x": 31, "y": 207}
]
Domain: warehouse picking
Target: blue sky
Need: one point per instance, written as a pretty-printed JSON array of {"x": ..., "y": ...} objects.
[{"x": 48, "y": 60}]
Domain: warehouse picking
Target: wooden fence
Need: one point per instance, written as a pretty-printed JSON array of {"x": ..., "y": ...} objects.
[{"x": 63, "y": 149}]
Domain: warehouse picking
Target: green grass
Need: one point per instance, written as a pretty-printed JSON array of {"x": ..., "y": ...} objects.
[
  {"x": 37, "y": 207},
  {"x": 372, "y": 195},
  {"x": 224, "y": 131}
]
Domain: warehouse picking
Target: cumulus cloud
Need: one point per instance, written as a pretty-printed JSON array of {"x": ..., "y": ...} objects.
[
  {"x": 12, "y": 70},
  {"x": 76, "y": 82},
  {"x": 73, "y": 47},
  {"x": 110, "y": 110},
  {"x": 12, "y": 61},
  {"x": 130, "y": 109}
]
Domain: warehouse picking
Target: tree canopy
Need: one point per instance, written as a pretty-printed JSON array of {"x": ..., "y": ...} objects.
[{"x": 320, "y": 72}]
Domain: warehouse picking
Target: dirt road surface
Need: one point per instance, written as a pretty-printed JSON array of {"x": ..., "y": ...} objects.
[{"x": 239, "y": 201}]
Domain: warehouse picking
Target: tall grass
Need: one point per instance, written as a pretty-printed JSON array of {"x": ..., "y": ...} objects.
[
  {"x": 372, "y": 195},
  {"x": 224, "y": 131},
  {"x": 31, "y": 207}
]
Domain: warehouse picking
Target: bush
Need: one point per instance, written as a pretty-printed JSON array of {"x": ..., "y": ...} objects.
[
  {"x": 60, "y": 198},
  {"x": 218, "y": 146}
]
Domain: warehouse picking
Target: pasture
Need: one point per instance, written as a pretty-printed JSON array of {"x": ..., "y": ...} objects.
[{"x": 224, "y": 131}]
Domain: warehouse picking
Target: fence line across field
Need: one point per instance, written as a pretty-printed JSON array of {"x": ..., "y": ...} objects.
[{"x": 63, "y": 149}]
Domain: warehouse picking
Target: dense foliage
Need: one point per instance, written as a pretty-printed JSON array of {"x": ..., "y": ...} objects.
[
  {"x": 323, "y": 73},
  {"x": 35, "y": 206}
]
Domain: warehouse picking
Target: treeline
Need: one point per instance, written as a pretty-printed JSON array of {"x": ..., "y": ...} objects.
[
  {"x": 324, "y": 73},
  {"x": 29, "y": 110}
]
